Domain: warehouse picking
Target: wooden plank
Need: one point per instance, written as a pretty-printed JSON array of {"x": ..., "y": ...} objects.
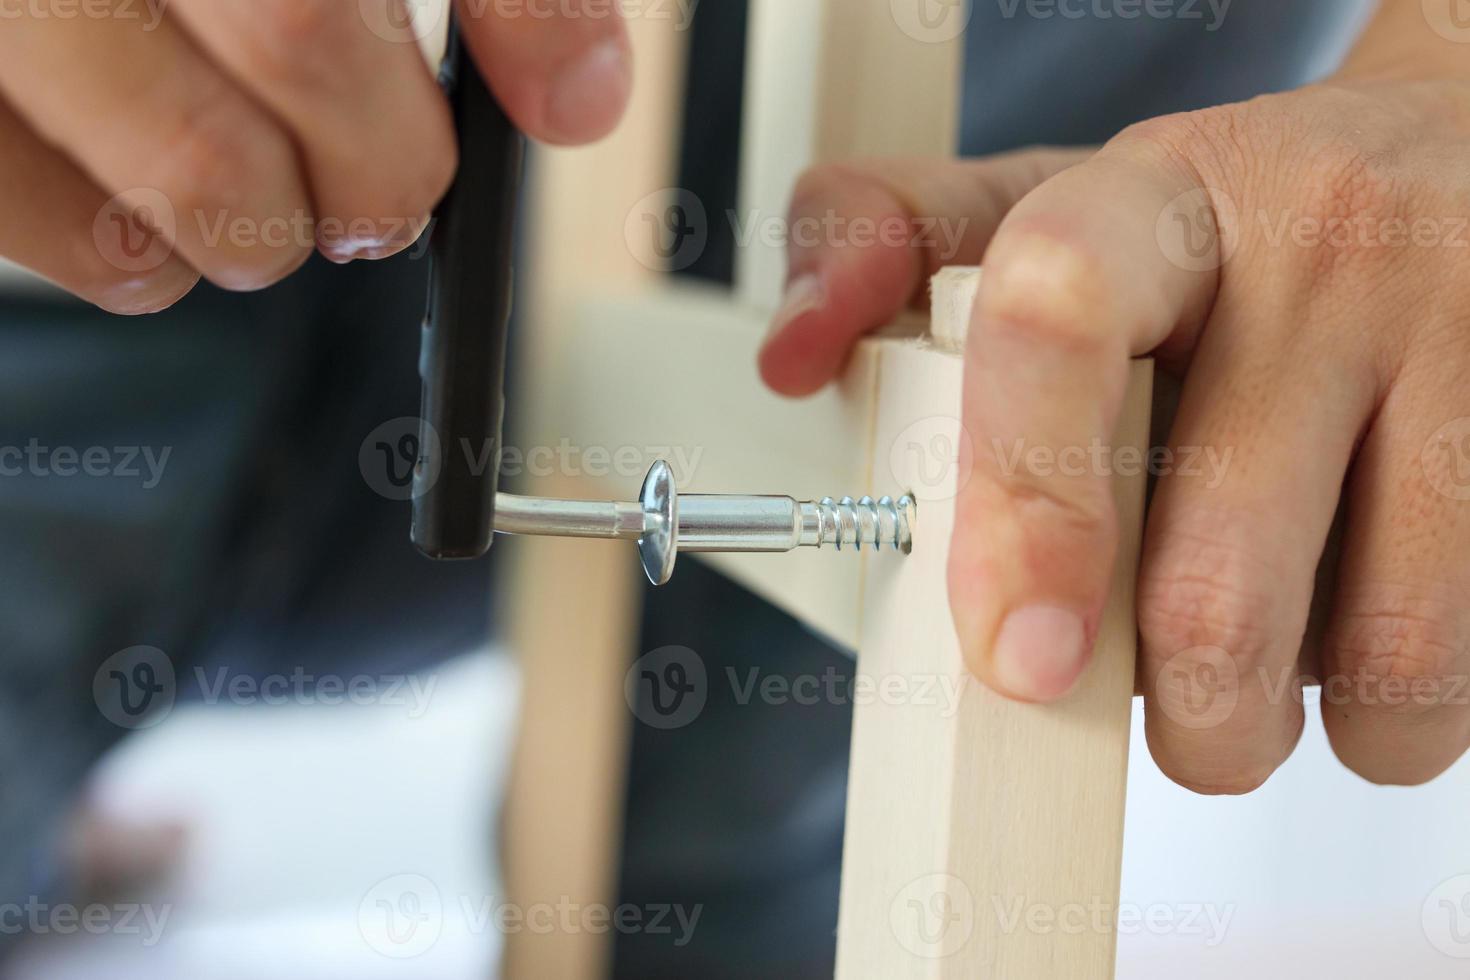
[
  {"x": 600, "y": 372},
  {"x": 968, "y": 813},
  {"x": 563, "y": 814},
  {"x": 723, "y": 432},
  {"x": 890, "y": 79},
  {"x": 577, "y": 608},
  {"x": 830, "y": 80},
  {"x": 781, "y": 96}
]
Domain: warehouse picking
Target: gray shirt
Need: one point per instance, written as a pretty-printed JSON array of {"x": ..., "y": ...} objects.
[{"x": 1078, "y": 71}]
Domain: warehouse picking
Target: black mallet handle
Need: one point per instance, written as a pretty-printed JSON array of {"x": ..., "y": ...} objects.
[{"x": 463, "y": 357}]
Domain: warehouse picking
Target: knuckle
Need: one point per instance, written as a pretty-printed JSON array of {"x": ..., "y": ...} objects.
[
  {"x": 1210, "y": 143},
  {"x": 1045, "y": 288},
  {"x": 1074, "y": 510},
  {"x": 1198, "y": 591},
  {"x": 1343, "y": 180},
  {"x": 215, "y": 150},
  {"x": 1399, "y": 652},
  {"x": 231, "y": 176},
  {"x": 420, "y": 190},
  {"x": 1347, "y": 195},
  {"x": 819, "y": 182},
  {"x": 285, "y": 41}
]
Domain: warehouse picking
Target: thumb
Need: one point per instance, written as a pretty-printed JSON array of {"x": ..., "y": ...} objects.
[
  {"x": 564, "y": 74},
  {"x": 1076, "y": 282},
  {"x": 865, "y": 238}
]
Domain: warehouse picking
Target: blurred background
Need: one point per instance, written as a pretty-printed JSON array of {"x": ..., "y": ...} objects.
[{"x": 250, "y": 733}]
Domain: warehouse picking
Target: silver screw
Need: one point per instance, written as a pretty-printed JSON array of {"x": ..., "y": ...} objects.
[{"x": 665, "y": 523}]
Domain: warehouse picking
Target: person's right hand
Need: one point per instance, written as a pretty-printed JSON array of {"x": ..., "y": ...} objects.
[
  {"x": 1301, "y": 263},
  {"x": 144, "y": 145}
]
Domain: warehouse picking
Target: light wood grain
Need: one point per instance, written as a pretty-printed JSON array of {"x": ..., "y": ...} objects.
[
  {"x": 724, "y": 432},
  {"x": 831, "y": 80},
  {"x": 968, "y": 812},
  {"x": 613, "y": 359},
  {"x": 573, "y": 614}
]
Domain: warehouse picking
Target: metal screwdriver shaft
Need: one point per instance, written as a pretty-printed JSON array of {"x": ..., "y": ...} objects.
[{"x": 665, "y": 523}]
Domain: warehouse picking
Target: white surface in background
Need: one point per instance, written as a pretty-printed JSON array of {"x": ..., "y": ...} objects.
[
  {"x": 304, "y": 813},
  {"x": 1322, "y": 874},
  {"x": 301, "y": 814}
]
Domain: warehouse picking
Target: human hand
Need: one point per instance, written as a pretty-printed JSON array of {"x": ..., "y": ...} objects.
[
  {"x": 1303, "y": 261},
  {"x": 143, "y": 146}
]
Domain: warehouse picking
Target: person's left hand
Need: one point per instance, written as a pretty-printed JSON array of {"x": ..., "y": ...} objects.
[
  {"x": 146, "y": 145},
  {"x": 1303, "y": 260}
]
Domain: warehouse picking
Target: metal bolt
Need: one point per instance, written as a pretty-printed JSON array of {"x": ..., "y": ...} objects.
[{"x": 665, "y": 523}]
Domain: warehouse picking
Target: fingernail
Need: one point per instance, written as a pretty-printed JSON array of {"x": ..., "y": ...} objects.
[
  {"x": 344, "y": 252},
  {"x": 1039, "y": 652},
  {"x": 803, "y": 295},
  {"x": 587, "y": 99}
]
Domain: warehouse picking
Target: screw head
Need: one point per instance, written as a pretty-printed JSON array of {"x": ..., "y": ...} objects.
[{"x": 659, "y": 546}]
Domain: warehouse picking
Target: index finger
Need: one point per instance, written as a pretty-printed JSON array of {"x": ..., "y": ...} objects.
[{"x": 1075, "y": 284}]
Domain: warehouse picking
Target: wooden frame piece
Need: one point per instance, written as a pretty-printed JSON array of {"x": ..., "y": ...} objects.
[
  {"x": 961, "y": 804},
  {"x": 971, "y": 811},
  {"x": 966, "y": 811}
]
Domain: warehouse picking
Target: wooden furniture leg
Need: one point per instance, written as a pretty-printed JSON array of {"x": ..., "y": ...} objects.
[{"x": 984, "y": 837}]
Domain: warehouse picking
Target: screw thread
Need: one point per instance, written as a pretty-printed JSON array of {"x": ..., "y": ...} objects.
[{"x": 856, "y": 523}]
